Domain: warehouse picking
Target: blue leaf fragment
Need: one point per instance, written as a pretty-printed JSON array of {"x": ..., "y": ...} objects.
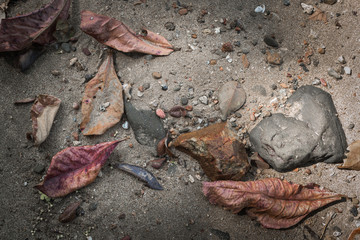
[{"x": 142, "y": 174}]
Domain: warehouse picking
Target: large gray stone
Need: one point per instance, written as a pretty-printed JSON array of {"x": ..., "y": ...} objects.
[
  {"x": 148, "y": 128},
  {"x": 310, "y": 133}
]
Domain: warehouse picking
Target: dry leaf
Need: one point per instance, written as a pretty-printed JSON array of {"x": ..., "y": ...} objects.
[
  {"x": 115, "y": 34},
  {"x": 102, "y": 103},
  {"x": 273, "y": 202},
  {"x": 25, "y": 100},
  {"x": 69, "y": 213},
  {"x": 352, "y": 160},
  {"x": 21, "y": 31},
  {"x": 231, "y": 96},
  {"x": 74, "y": 168},
  {"x": 42, "y": 115},
  {"x": 318, "y": 15},
  {"x": 177, "y": 112},
  {"x": 354, "y": 233}
]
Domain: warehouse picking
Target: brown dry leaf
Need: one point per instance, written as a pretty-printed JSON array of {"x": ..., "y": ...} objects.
[
  {"x": 69, "y": 213},
  {"x": 231, "y": 96},
  {"x": 273, "y": 202},
  {"x": 102, "y": 103},
  {"x": 245, "y": 61},
  {"x": 42, "y": 115},
  {"x": 115, "y": 34},
  {"x": 352, "y": 160},
  {"x": 25, "y": 100},
  {"x": 319, "y": 15},
  {"x": 354, "y": 233}
]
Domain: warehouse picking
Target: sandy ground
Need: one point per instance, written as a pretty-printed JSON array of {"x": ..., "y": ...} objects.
[{"x": 180, "y": 211}]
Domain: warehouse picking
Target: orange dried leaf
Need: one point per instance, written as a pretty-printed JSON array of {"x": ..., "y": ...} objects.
[
  {"x": 352, "y": 160},
  {"x": 319, "y": 15},
  {"x": 273, "y": 202},
  {"x": 102, "y": 103},
  {"x": 74, "y": 168},
  {"x": 115, "y": 34},
  {"x": 354, "y": 233}
]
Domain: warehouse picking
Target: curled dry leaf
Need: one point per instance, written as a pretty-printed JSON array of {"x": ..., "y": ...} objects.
[
  {"x": 352, "y": 160},
  {"x": 273, "y": 202},
  {"x": 102, "y": 103},
  {"x": 20, "y": 32},
  {"x": 74, "y": 168},
  {"x": 319, "y": 15},
  {"x": 69, "y": 213},
  {"x": 157, "y": 163},
  {"x": 231, "y": 96},
  {"x": 25, "y": 100},
  {"x": 177, "y": 112},
  {"x": 354, "y": 233},
  {"x": 115, "y": 34},
  {"x": 42, "y": 115},
  {"x": 141, "y": 173}
]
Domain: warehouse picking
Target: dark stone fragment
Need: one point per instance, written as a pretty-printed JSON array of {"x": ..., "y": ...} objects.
[
  {"x": 351, "y": 126},
  {"x": 271, "y": 41},
  {"x": 354, "y": 211},
  {"x": 147, "y": 127},
  {"x": 184, "y": 130},
  {"x": 66, "y": 47},
  {"x": 184, "y": 101},
  {"x": 304, "y": 67},
  {"x": 86, "y": 51},
  {"x": 170, "y": 26},
  {"x": 164, "y": 87},
  {"x": 39, "y": 168},
  {"x": 310, "y": 133},
  {"x": 286, "y": 2},
  {"x": 93, "y": 206},
  {"x": 220, "y": 234}
]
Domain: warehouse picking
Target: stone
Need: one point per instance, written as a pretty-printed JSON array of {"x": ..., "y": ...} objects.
[
  {"x": 149, "y": 57},
  {"x": 310, "y": 133},
  {"x": 333, "y": 73},
  {"x": 183, "y": 11},
  {"x": 156, "y": 75},
  {"x": 341, "y": 60},
  {"x": 307, "y": 8},
  {"x": 66, "y": 47},
  {"x": 218, "y": 151},
  {"x": 273, "y": 58},
  {"x": 351, "y": 126},
  {"x": 330, "y": 2},
  {"x": 321, "y": 50},
  {"x": 347, "y": 70},
  {"x": 39, "y": 168},
  {"x": 270, "y": 41},
  {"x": 204, "y": 100},
  {"x": 147, "y": 127},
  {"x": 286, "y": 2},
  {"x": 170, "y": 26},
  {"x": 184, "y": 101}
]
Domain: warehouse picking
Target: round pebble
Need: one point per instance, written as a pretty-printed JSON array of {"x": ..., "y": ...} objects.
[
  {"x": 184, "y": 101},
  {"x": 156, "y": 75}
]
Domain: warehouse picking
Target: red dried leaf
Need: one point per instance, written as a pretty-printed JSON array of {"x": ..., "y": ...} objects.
[
  {"x": 273, "y": 202},
  {"x": 74, "y": 168},
  {"x": 102, "y": 103},
  {"x": 115, "y": 34},
  {"x": 69, "y": 213},
  {"x": 177, "y": 112},
  {"x": 42, "y": 114},
  {"x": 20, "y": 32}
]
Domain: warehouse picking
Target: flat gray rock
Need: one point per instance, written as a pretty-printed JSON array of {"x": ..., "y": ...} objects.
[
  {"x": 147, "y": 127},
  {"x": 310, "y": 133}
]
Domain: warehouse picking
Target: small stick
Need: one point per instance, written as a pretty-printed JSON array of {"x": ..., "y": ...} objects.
[{"x": 333, "y": 215}]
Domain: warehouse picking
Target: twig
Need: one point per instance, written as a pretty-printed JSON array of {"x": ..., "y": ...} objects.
[{"x": 333, "y": 215}]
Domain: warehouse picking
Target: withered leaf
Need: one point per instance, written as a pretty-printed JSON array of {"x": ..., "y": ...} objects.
[
  {"x": 318, "y": 15},
  {"x": 21, "y": 31},
  {"x": 25, "y": 100},
  {"x": 69, "y": 213},
  {"x": 102, "y": 103},
  {"x": 115, "y": 34},
  {"x": 157, "y": 163},
  {"x": 354, "y": 233},
  {"x": 74, "y": 168},
  {"x": 273, "y": 202},
  {"x": 177, "y": 112},
  {"x": 352, "y": 160},
  {"x": 142, "y": 174},
  {"x": 231, "y": 97},
  {"x": 42, "y": 115}
]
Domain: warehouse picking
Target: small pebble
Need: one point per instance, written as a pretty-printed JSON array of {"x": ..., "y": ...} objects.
[
  {"x": 140, "y": 94},
  {"x": 351, "y": 126},
  {"x": 307, "y": 8},
  {"x": 156, "y": 75},
  {"x": 286, "y": 2},
  {"x": 354, "y": 211},
  {"x": 55, "y": 73},
  {"x": 177, "y": 88},
  {"x": 164, "y": 87},
  {"x": 191, "y": 179},
  {"x": 316, "y": 82},
  {"x": 183, "y": 11},
  {"x": 204, "y": 100},
  {"x": 273, "y": 86},
  {"x": 271, "y": 41},
  {"x": 149, "y": 57},
  {"x": 92, "y": 206},
  {"x": 334, "y": 74},
  {"x": 73, "y": 61},
  {"x": 66, "y": 47},
  {"x": 321, "y": 50},
  {"x": 146, "y": 86},
  {"x": 341, "y": 60},
  {"x": 160, "y": 113},
  {"x": 184, "y": 101},
  {"x": 125, "y": 125},
  {"x": 39, "y": 168},
  {"x": 170, "y": 26},
  {"x": 347, "y": 70},
  {"x": 86, "y": 51}
]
